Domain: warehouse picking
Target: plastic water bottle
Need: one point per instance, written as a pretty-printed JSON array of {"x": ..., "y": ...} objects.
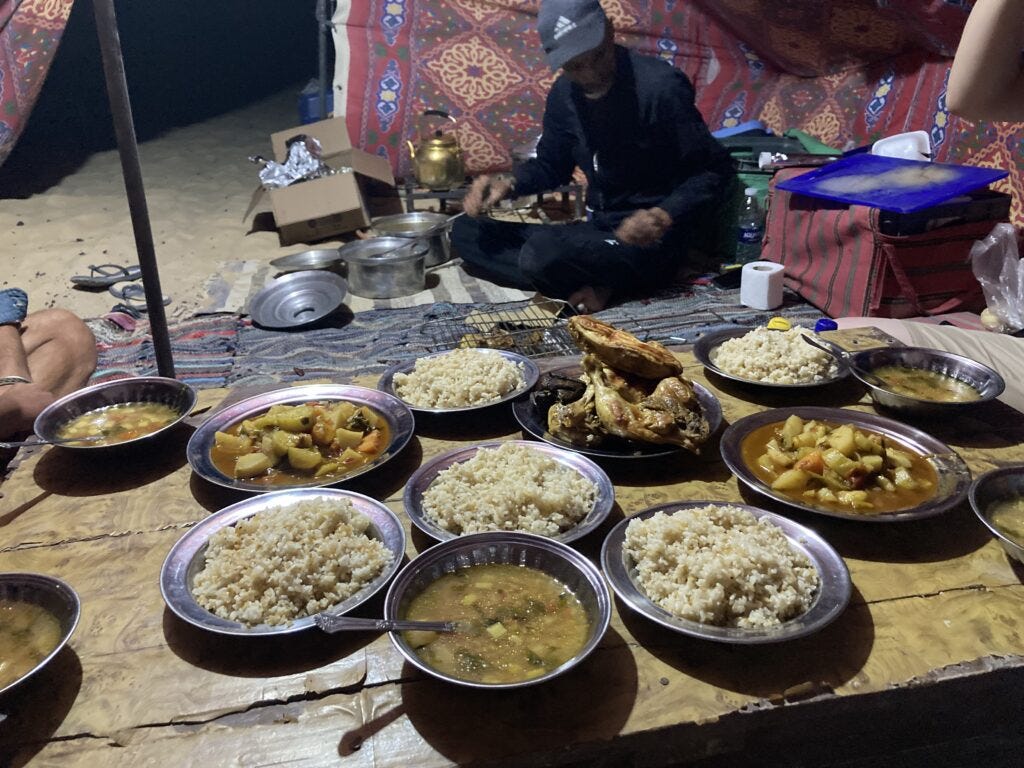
[{"x": 749, "y": 228}]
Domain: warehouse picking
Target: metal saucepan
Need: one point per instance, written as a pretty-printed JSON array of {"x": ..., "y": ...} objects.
[
  {"x": 385, "y": 267},
  {"x": 422, "y": 225}
]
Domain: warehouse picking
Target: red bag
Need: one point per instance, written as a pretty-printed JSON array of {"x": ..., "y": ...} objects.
[{"x": 837, "y": 257}]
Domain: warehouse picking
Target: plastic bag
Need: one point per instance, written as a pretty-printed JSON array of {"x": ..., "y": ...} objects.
[{"x": 996, "y": 263}]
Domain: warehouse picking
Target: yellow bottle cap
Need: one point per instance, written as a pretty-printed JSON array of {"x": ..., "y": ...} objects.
[{"x": 779, "y": 324}]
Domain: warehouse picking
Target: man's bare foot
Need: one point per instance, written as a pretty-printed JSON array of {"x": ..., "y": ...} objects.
[{"x": 589, "y": 299}]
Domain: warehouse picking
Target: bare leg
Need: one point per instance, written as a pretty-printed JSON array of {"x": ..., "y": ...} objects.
[
  {"x": 59, "y": 351},
  {"x": 590, "y": 298}
]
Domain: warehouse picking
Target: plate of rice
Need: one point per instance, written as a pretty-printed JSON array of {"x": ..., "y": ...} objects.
[
  {"x": 460, "y": 380},
  {"x": 768, "y": 358},
  {"x": 727, "y": 572},
  {"x": 267, "y": 565},
  {"x": 515, "y": 485}
]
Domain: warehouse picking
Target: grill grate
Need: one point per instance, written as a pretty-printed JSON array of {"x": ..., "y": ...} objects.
[{"x": 535, "y": 330}]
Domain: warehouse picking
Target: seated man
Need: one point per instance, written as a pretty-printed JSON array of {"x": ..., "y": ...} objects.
[
  {"x": 43, "y": 356},
  {"x": 656, "y": 178}
]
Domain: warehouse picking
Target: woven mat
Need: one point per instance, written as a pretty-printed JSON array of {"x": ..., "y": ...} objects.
[
  {"x": 226, "y": 349},
  {"x": 236, "y": 282}
]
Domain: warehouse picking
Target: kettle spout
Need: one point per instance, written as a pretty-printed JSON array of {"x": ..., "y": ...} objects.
[{"x": 412, "y": 149}]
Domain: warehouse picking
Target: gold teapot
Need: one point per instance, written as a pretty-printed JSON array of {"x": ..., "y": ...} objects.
[{"x": 437, "y": 161}]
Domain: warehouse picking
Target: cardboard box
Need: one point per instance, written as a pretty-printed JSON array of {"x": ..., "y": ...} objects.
[{"x": 331, "y": 205}]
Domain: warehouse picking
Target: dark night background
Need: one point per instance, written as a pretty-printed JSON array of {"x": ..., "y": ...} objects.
[{"x": 185, "y": 61}]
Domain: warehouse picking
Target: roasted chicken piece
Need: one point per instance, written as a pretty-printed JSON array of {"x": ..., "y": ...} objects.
[
  {"x": 621, "y": 350},
  {"x": 577, "y": 422},
  {"x": 666, "y": 411}
]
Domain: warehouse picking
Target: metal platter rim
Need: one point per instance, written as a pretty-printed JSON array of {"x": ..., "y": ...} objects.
[
  {"x": 400, "y": 420},
  {"x": 174, "y": 579},
  {"x": 528, "y": 419},
  {"x": 918, "y": 440},
  {"x": 830, "y": 601},
  {"x": 530, "y": 375},
  {"x": 428, "y": 471},
  {"x": 705, "y": 346}
]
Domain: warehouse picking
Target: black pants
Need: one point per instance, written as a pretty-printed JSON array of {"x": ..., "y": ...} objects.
[{"x": 558, "y": 259}]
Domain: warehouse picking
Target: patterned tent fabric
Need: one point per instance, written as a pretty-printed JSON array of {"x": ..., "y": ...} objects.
[
  {"x": 29, "y": 33},
  {"x": 848, "y": 72}
]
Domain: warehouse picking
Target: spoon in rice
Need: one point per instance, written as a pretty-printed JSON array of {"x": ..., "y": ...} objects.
[
  {"x": 331, "y": 623},
  {"x": 843, "y": 358}
]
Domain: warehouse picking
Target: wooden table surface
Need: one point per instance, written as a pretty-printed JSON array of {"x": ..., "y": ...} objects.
[{"x": 936, "y": 620}]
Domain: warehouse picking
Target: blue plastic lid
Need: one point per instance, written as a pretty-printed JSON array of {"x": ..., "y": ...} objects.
[{"x": 825, "y": 325}]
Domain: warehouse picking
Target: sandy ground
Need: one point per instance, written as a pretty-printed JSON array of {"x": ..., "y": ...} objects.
[{"x": 198, "y": 185}]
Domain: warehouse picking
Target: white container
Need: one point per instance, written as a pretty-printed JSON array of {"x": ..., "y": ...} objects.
[{"x": 915, "y": 145}]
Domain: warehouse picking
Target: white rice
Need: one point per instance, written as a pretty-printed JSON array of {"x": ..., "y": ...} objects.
[
  {"x": 289, "y": 562},
  {"x": 774, "y": 357},
  {"x": 720, "y": 565},
  {"x": 509, "y": 488},
  {"x": 459, "y": 379}
]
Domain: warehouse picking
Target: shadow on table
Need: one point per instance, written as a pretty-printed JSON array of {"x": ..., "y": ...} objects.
[
  {"x": 591, "y": 702},
  {"x": 37, "y": 707},
  {"x": 488, "y": 423},
  {"x": 267, "y": 656},
  {"x": 794, "y": 669},
  {"x": 953, "y": 534},
  {"x": 847, "y": 391},
  {"x": 72, "y": 472}
]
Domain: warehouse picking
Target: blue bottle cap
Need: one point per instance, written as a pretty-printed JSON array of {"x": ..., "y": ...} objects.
[{"x": 825, "y": 325}]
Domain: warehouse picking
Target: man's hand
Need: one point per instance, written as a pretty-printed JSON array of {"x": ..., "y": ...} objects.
[
  {"x": 644, "y": 227},
  {"x": 485, "y": 192}
]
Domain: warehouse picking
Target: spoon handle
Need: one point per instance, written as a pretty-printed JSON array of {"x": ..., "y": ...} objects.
[
  {"x": 55, "y": 441},
  {"x": 330, "y": 623}
]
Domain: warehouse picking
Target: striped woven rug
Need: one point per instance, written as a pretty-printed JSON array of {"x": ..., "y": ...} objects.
[{"x": 227, "y": 350}]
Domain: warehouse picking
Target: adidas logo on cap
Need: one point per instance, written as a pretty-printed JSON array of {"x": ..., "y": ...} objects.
[{"x": 563, "y": 26}]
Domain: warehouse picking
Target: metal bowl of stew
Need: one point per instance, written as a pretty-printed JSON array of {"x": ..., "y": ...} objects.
[
  {"x": 54, "y": 609},
  {"x": 113, "y": 404},
  {"x": 997, "y": 493},
  {"x": 923, "y": 375},
  {"x": 558, "y": 561}
]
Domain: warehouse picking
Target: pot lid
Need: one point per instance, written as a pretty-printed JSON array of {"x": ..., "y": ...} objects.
[{"x": 298, "y": 299}]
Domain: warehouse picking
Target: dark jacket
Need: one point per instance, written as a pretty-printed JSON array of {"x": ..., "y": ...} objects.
[{"x": 649, "y": 141}]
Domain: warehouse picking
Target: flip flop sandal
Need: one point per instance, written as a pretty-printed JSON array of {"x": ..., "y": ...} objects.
[
  {"x": 133, "y": 295},
  {"x": 106, "y": 275},
  {"x": 121, "y": 314}
]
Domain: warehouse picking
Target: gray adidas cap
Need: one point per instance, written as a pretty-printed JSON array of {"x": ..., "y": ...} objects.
[{"x": 568, "y": 28}]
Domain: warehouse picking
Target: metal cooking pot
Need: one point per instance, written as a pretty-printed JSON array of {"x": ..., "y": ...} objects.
[
  {"x": 385, "y": 267},
  {"x": 414, "y": 224}
]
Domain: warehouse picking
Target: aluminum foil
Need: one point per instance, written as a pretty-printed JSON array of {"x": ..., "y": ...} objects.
[{"x": 303, "y": 163}]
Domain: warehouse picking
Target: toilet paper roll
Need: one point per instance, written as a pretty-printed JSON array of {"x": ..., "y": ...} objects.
[{"x": 761, "y": 285}]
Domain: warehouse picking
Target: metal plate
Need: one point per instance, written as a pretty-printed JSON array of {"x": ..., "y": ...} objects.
[
  {"x": 822, "y": 182},
  {"x": 188, "y": 557},
  {"x": 138, "y": 389},
  {"x": 298, "y": 299},
  {"x": 706, "y": 347},
  {"x": 530, "y": 375},
  {"x": 318, "y": 258},
  {"x": 399, "y": 418},
  {"x": 830, "y": 601},
  {"x": 954, "y": 476},
  {"x": 563, "y": 563},
  {"x": 535, "y": 423},
  {"x": 428, "y": 472},
  {"x": 54, "y": 596}
]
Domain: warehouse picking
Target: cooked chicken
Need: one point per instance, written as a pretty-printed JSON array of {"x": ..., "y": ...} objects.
[
  {"x": 577, "y": 422},
  {"x": 640, "y": 409},
  {"x": 621, "y": 350}
]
